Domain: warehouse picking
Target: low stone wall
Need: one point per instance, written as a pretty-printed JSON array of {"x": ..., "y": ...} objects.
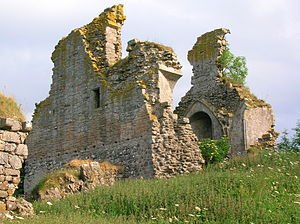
[{"x": 13, "y": 152}]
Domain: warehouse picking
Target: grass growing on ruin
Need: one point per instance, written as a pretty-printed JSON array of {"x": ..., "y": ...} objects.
[
  {"x": 9, "y": 108},
  {"x": 261, "y": 189}
]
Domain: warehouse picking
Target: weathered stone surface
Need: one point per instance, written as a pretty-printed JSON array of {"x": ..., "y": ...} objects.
[
  {"x": 3, "y": 194},
  {"x": 24, "y": 208},
  {"x": 4, "y": 185},
  {"x": 4, "y": 156},
  {"x": 10, "y": 147},
  {"x": 10, "y": 124},
  {"x": 26, "y": 127},
  {"x": 92, "y": 174},
  {"x": 218, "y": 107},
  {"x": 22, "y": 150},
  {"x": 11, "y": 137},
  {"x": 2, "y": 207},
  {"x": 15, "y": 162},
  {"x": 103, "y": 107},
  {"x": 11, "y": 172}
]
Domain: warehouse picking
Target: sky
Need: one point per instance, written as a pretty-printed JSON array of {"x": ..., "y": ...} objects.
[{"x": 266, "y": 32}]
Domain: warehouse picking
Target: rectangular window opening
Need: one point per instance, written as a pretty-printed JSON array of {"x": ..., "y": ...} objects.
[{"x": 97, "y": 97}]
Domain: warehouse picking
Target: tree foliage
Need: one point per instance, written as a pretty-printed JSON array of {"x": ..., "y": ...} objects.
[
  {"x": 233, "y": 67},
  {"x": 293, "y": 143}
]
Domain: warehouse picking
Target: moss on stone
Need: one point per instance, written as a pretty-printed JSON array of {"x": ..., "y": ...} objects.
[
  {"x": 10, "y": 109},
  {"x": 207, "y": 46}
]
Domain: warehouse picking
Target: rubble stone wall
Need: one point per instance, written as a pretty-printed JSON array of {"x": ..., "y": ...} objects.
[
  {"x": 13, "y": 153},
  {"x": 230, "y": 108}
]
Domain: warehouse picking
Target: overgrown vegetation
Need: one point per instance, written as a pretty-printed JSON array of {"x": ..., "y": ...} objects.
[
  {"x": 10, "y": 109},
  {"x": 261, "y": 189},
  {"x": 293, "y": 143},
  {"x": 233, "y": 67},
  {"x": 55, "y": 179},
  {"x": 214, "y": 150}
]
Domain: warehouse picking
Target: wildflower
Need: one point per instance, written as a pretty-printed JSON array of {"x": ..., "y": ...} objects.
[
  {"x": 49, "y": 203},
  {"x": 198, "y": 209},
  {"x": 162, "y": 209},
  {"x": 19, "y": 217},
  {"x": 9, "y": 216},
  {"x": 175, "y": 218}
]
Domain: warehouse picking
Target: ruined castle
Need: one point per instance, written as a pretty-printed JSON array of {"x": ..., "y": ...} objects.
[{"x": 105, "y": 107}]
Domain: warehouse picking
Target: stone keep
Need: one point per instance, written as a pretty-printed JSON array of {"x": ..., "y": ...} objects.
[
  {"x": 13, "y": 153},
  {"x": 103, "y": 107},
  {"x": 218, "y": 107}
]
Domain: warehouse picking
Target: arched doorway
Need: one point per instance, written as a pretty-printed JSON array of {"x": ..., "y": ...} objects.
[{"x": 202, "y": 125}]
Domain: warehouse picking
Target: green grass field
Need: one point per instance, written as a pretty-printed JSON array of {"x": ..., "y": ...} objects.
[{"x": 261, "y": 189}]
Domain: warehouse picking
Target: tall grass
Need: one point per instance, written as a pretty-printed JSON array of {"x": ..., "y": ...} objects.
[
  {"x": 9, "y": 108},
  {"x": 261, "y": 189}
]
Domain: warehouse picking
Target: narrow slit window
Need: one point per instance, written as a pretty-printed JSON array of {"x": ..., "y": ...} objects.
[{"x": 97, "y": 97}]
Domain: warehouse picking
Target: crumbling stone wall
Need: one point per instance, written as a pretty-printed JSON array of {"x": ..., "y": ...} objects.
[
  {"x": 102, "y": 107},
  {"x": 214, "y": 101},
  {"x": 13, "y": 153}
]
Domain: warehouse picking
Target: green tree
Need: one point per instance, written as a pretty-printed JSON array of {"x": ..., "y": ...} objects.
[
  {"x": 285, "y": 142},
  {"x": 296, "y": 137},
  {"x": 233, "y": 67}
]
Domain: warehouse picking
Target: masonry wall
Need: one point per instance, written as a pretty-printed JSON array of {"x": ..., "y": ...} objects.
[
  {"x": 102, "y": 107},
  {"x": 13, "y": 153}
]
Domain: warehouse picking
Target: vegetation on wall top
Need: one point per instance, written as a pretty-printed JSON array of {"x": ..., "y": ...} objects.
[{"x": 10, "y": 109}]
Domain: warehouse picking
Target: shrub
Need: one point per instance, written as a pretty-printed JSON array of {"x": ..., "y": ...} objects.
[{"x": 214, "y": 150}]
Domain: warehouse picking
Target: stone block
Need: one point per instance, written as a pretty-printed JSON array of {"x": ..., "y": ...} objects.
[
  {"x": 10, "y": 147},
  {"x": 23, "y": 137},
  {"x": 11, "y": 205},
  {"x": 22, "y": 150},
  {"x": 2, "y": 207},
  {"x": 11, "y": 172},
  {"x": 26, "y": 127},
  {"x": 12, "y": 137},
  {"x": 15, "y": 162},
  {"x": 4, "y": 156},
  {"x": 2, "y": 145},
  {"x": 10, "y": 124},
  {"x": 3, "y": 194},
  {"x": 16, "y": 180},
  {"x": 4, "y": 186},
  {"x": 8, "y": 178}
]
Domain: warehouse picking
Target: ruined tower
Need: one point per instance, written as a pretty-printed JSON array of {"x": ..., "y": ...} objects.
[
  {"x": 218, "y": 107},
  {"x": 103, "y": 107}
]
